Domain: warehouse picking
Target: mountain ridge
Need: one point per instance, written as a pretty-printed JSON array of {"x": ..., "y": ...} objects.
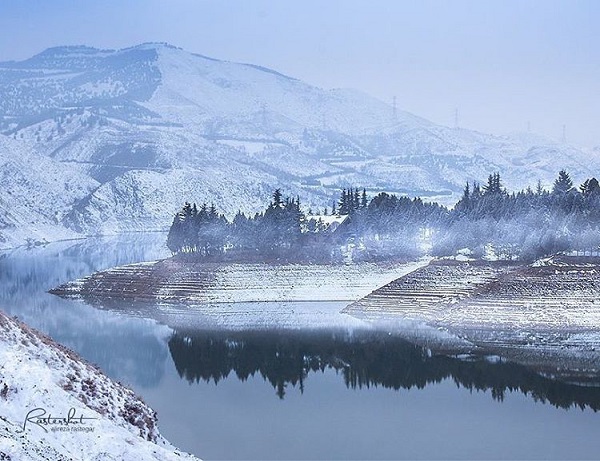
[{"x": 150, "y": 126}]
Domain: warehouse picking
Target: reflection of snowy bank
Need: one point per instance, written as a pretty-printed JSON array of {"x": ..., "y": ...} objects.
[
  {"x": 92, "y": 417},
  {"x": 552, "y": 307}
]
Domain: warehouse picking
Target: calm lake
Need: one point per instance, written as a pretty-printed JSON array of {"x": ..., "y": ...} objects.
[{"x": 345, "y": 392}]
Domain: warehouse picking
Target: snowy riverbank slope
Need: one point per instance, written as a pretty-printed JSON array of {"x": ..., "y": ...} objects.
[
  {"x": 235, "y": 296},
  {"x": 551, "y": 303},
  {"x": 179, "y": 282},
  {"x": 36, "y": 373}
]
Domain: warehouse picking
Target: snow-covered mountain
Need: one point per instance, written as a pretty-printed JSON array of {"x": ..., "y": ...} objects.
[{"x": 106, "y": 141}]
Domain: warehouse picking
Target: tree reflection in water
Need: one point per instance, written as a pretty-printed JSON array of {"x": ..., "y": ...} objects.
[{"x": 363, "y": 358}]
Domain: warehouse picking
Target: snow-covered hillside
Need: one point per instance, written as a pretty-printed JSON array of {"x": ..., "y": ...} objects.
[
  {"x": 39, "y": 376},
  {"x": 138, "y": 131},
  {"x": 36, "y": 192}
]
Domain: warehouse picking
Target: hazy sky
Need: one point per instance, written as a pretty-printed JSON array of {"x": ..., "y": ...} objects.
[{"x": 501, "y": 63}]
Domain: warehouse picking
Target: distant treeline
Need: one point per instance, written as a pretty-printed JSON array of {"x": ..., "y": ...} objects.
[
  {"x": 487, "y": 220},
  {"x": 524, "y": 225}
]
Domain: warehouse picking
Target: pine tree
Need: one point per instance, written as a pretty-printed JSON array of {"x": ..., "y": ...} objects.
[
  {"x": 466, "y": 193},
  {"x": 494, "y": 185},
  {"x": 175, "y": 236},
  {"x": 539, "y": 190},
  {"x": 343, "y": 204},
  {"x": 277, "y": 198},
  {"x": 476, "y": 194},
  {"x": 363, "y": 200},
  {"x": 563, "y": 184},
  {"x": 590, "y": 188},
  {"x": 465, "y": 201},
  {"x": 187, "y": 210}
]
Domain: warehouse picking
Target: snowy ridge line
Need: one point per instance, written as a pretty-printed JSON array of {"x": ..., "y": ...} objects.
[{"x": 36, "y": 372}]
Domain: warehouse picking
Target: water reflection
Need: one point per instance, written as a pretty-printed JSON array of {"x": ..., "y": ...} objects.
[
  {"x": 363, "y": 359},
  {"x": 131, "y": 350},
  {"x": 208, "y": 344},
  {"x": 27, "y": 272},
  {"x": 134, "y": 349}
]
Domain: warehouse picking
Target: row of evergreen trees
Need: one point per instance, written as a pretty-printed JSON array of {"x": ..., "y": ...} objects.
[
  {"x": 350, "y": 201},
  {"x": 525, "y": 225},
  {"x": 208, "y": 233}
]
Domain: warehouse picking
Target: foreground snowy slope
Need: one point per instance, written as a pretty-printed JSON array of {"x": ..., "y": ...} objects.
[
  {"x": 36, "y": 373},
  {"x": 144, "y": 128}
]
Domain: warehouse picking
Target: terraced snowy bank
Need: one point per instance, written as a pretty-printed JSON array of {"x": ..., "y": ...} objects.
[
  {"x": 54, "y": 406},
  {"x": 546, "y": 312},
  {"x": 175, "y": 281},
  {"x": 554, "y": 303}
]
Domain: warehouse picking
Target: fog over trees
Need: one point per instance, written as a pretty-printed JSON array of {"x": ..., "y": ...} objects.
[{"x": 487, "y": 221}]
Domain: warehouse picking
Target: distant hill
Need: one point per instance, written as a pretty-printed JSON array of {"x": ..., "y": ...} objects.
[{"x": 107, "y": 141}]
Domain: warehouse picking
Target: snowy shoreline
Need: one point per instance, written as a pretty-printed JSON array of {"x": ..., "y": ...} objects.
[
  {"x": 54, "y": 405},
  {"x": 52, "y": 239},
  {"x": 171, "y": 281},
  {"x": 541, "y": 314},
  {"x": 546, "y": 311}
]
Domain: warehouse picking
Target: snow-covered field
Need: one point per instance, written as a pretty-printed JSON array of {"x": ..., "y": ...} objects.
[{"x": 54, "y": 389}]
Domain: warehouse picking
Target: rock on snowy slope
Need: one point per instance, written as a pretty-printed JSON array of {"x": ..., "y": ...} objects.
[
  {"x": 156, "y": 125},
  {"x": 36, "y": 373}
]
